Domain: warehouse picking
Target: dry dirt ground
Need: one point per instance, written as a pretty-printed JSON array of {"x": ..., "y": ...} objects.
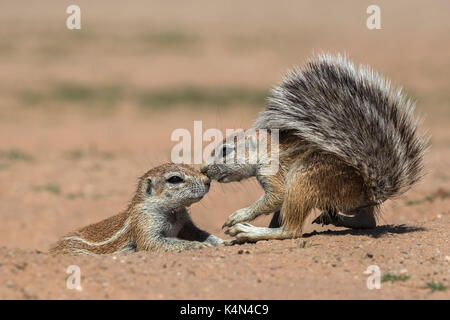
[{"x": 84, "y": 113}]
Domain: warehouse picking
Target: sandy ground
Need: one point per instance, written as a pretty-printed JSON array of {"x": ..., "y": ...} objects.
[{"x": 70, "y": 156}]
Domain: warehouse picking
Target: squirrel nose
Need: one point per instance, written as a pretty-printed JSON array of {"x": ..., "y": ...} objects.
[
  {"x": 203, "y": 169},
  {"x": 207, "y": 182}
]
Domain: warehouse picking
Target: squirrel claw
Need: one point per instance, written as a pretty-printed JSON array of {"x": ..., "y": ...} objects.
[
  {"x": 228, "y": 243},
  {"x": 201, "y": 245},
  {"x": 239, "y": 216}
]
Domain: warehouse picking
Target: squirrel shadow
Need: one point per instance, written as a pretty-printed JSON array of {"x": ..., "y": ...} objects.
[{"x": 377, "y": 232}]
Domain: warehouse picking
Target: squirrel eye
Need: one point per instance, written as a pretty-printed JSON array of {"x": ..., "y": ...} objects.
[
  {"x": 149, "y": 186},
  {"x": 175, "y": 179}
]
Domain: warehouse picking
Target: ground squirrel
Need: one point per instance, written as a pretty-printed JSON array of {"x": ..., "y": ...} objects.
[
  {"x": 156, "y": 218},
  {"x": 348, "y": 141}
]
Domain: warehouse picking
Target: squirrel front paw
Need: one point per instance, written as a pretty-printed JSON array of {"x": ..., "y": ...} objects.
[
  {"x": 199, "y": 245},
  {"x": 242, "y": 215},
  {"x": 213, "y": 240},
  {"x": 243, "y": 232}
]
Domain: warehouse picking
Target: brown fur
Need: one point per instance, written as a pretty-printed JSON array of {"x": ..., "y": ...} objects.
[
  {"x": 348, "y": 140},
  {"x": 310, "y": 179},
  {"x": 133, "y": 229},
  {"x": 307, "y": 179}
]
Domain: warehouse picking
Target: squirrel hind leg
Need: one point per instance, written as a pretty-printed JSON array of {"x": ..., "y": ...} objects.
[
  {"x": 364, "y": 218},
  {"x": 326, "y": 217},
  {"x": 245, "y": 232},
  {"x": 276, "y": 220},
  {"x": 298, "y": 202}
]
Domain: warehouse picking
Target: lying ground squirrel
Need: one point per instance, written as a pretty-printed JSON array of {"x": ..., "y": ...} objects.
[
  {"x": 347, "y": 143},
  {"x": 156, "y": 219}
]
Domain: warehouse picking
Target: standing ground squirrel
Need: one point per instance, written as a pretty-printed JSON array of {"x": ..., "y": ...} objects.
[
  {"x": 348, "y": 141},
  {"x": 156, "y": 219}
]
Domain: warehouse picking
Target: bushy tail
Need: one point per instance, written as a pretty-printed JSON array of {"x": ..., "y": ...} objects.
[{"x": 355, "y": 114}]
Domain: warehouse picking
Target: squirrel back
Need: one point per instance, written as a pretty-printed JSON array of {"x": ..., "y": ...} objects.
[{"x": 354, "y": 114}]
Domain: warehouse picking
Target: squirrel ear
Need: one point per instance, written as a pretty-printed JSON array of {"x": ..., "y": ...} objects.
[{"x": 148, "y": 189}]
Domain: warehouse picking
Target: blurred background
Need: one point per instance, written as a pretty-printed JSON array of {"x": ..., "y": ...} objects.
[{"x": 84, "y": 112}]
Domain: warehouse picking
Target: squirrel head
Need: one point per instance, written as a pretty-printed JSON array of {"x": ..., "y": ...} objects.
[
  {"x": 171, "y": 186},
  {"x": 234, "y": 159}
]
